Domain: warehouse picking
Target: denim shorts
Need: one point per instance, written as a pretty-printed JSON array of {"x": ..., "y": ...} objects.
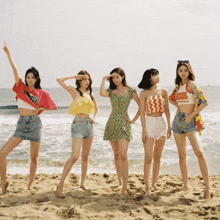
[
  {"x": 29, "y": 128},
  {"x": 81, "y": 128},
  {"x": 179, "y": 126}
]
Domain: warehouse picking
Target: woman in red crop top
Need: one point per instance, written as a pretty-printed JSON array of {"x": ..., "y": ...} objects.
[
  {"x": 189, "y": 100},
  {"x": 32, "y": 100},
  {"x": 153, "y": 103}
]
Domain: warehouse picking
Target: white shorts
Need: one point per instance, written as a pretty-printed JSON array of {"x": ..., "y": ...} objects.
[{"x": 156, "y": 127}]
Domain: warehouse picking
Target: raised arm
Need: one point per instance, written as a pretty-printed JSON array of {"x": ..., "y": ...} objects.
[
  {"x": 69, "y": 88},
  {"x": 16, "y": 74},
  {"x": 103, "y": 92}
]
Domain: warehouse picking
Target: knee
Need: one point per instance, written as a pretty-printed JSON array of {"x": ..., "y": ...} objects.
[
  {"x": 182, "y": 157},
  {"x": 34, "y": 158},
  {"x": 2, "y": 155},
  {"x": 73, "y": 159},
  {"x": 123, "y": 157},
  {"x": 85, "y": 158},
  {"x": 117, "y": 156},
  {"x": 148, "y": 160},
  {"x": 157, "y": 159},
  {"x": 199, "y": 154}
]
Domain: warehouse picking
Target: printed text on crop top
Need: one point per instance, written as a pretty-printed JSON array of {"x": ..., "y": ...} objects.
[{"x": 184, "y": 96}]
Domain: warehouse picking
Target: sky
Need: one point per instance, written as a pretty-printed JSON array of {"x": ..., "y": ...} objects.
[{"x": 60, "y": 38}]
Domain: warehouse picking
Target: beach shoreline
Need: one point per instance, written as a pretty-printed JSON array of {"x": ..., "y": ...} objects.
[{"x": 105, "y": 201}]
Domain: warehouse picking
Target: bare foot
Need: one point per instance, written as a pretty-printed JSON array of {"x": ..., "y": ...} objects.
[
  {"x": 185, "y": 188},
  {"x": 59, "y": 191},
  {"x": 147, "y": 192},
  {"x": 4, "y": 189},
  {"x": 84, "y": 188},
  {"x": 156, "y": 187},
  {"x": 206, "y": 194},
  {"x": 124, "y": 191}
]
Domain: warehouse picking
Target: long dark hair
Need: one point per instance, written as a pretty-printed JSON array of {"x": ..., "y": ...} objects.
[
  {"x": 89, "y": 88},
  {"x": 36, "y": 76},
  {"x": 191, "y": 76},
  {"x": 146, "y": 82},
  {"x": 121, "y": 72}
]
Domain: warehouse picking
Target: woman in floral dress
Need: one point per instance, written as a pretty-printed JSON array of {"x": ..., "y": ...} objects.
[{"x": 118, "y": 127}]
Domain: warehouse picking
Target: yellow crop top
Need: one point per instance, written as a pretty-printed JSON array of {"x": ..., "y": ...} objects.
[{"x": 81, "y": 104}]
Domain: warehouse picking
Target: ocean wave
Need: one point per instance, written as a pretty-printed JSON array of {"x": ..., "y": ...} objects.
[{"x": 9, "y": 107}]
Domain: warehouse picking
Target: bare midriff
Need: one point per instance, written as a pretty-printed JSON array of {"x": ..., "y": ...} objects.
[
  {"x": 156, "y": 114},
  {"x": 187, "y": 109},
  {"x": 26, "y": 112},
  {"x": 81, "y": 115}
]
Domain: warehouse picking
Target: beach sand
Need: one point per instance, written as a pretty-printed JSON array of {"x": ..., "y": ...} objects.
[{"x": 105, "y": 201}]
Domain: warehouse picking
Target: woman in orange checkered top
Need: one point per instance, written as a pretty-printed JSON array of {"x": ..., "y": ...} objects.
[{"x": 155, "y": 131}]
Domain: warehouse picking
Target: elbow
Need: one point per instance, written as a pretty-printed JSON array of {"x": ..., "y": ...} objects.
[
  {"x": 58, "y": 80},
  {"x": 102, "y": 94}
]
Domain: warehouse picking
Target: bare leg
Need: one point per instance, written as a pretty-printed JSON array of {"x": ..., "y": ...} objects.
[
  {"x": 5, "y": 150},
  {"x": 148, "y": 157},
  {"x": 157, "y": 154},
  {"x": 123, "y": 148},
  {"x": 34, "y": 154},
  {"x": 86, "y": 147},
  {"x": 180, "y": 140},
  {"x": 201, "y": 159},
  {"x": 117, "y": 160},
  {"x": 76, "y": 146}
]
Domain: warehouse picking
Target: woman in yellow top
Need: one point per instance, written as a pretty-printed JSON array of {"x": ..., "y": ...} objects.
[{"x": 84, "y": 103}]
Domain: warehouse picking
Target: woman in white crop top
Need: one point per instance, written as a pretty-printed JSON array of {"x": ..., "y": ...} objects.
[
  {"x": 189, "y": 100},
  {"x": 29, "y": 124}
]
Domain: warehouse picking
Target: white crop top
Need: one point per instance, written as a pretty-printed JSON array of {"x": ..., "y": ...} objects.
[
  {"x": 23, "y": 104},
  {"x": 183, "y": 96}
]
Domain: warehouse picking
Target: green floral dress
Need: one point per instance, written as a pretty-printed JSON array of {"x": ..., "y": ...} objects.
[{"x": 117, "y": 127}]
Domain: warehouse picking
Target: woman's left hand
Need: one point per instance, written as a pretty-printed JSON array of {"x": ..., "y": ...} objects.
[
  {"x": 168, "y": 133},
  {"x": 187, "y": 119},
  {"x": 39, "y": 109},
  {"x": 129, "y": 120},
  {"x": 92, "y": 121}
]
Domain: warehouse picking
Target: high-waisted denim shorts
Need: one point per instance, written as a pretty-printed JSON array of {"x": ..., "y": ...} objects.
[
  {"x": 29, "y": 128},
  {"x": 179, "y": 126},
  {"x": 81, "y": 128}
]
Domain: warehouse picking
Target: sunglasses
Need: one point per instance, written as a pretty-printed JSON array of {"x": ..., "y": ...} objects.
[{"x": 181, "y": 61}]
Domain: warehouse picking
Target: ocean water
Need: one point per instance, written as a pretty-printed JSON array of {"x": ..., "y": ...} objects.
[{"x": 56, "y": 138}]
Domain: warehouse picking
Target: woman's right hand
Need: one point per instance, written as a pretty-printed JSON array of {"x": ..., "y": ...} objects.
[
  {"x": 144, "y": 137},
  {"x": 5, "y": 48},
  {"x": 79, "y": 77},
  {"x": 109, "y": 76}
]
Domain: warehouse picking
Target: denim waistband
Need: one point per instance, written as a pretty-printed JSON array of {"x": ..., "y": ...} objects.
[
  {"x": 81, "y": 119},
  {"x": 29, "y": 116},
  {"x": 181, "y": 114}
]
